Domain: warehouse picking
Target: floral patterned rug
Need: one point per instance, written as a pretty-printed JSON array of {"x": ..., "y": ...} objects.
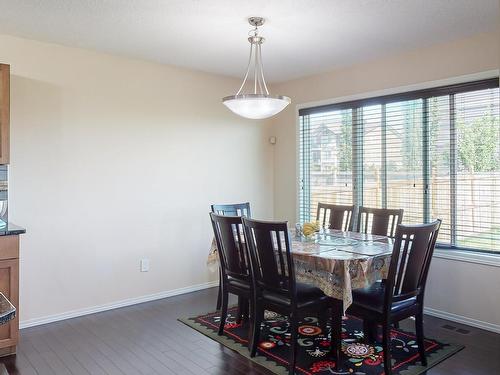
[{"x": 314, "y": 346}]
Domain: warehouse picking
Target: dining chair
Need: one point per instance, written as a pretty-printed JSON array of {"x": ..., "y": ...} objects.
[
  {"x": 234, "y": 209},
  {"x": 334, "y": 216},
  {"x": 401, "y": 295},
  {"x": 379, "y": 221},
  {"x": 274, "y": 284},
  {"x": 234, "y": 264}
]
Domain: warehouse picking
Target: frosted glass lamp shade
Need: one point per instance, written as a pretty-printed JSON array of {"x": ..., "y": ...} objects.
[{"x": 256, "y": 106}]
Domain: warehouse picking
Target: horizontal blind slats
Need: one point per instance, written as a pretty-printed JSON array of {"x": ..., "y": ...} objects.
[{"x": 431, "y": 158}]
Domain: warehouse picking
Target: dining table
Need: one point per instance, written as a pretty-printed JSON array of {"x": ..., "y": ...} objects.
[{"x": 336, "y": 262}]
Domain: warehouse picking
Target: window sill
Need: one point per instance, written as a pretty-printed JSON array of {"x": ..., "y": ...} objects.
[{"x": 468, "y": 256}]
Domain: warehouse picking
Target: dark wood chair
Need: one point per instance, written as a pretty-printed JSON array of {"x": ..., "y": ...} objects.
[
  {"x": 401, "y": 295},
  {"x": 379, "y": 221},
  {"x": 234, "y": 264},
  {"x": 274, "y": 284},
  {"x": 332, "y": 216},
  {"x": 235, "y": 209}
]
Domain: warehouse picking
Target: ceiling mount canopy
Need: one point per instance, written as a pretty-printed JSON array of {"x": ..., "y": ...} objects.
[{"x": 258, "y": 104}]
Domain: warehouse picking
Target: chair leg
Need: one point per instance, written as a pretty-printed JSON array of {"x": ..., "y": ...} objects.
[
  {"x": 294, "y": 327},
  {"x": 369, "y": 331},
  {"x": 223, "y": 314},
  {"x": 219, "y": 293},
  {"x": 251, "y": 321},
  {"x": 239, "y": 311},
  {"x": 386, "y": 346},
  {"x": 258, "y": 316},
  {"x": 336, "y": 333},
  {"x": 323, "y": 320},
  {"x": 246, "y": 310},
  {"x": 242, "y": 310},
  {"x": 251, "y": 309},
  {"x": 419, "y": 329}
]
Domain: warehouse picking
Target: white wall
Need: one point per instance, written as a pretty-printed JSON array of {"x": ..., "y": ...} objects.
[
  {"x": 114, "y": 160},
  {"x": 453, "y": 285},
  {"x": 464, "y": 291}
]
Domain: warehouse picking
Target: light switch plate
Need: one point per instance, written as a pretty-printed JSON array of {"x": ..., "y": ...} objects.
[{"x": 144, "y": 265}]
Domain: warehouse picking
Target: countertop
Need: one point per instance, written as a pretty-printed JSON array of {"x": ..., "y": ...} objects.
[{"x": 11, "y": 230}]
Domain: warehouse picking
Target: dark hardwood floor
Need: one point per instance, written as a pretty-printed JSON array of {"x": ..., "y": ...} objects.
[{"x": 148, "y": 339}]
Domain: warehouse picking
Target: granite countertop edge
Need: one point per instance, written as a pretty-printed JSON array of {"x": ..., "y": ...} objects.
[{"x": 11, "y": 230}]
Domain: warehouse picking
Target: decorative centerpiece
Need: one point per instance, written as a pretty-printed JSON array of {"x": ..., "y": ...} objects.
[{"x": 309, "y": 229}]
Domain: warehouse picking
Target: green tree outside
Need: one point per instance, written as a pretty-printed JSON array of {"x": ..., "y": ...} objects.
[{"x": 478, "y": 143}]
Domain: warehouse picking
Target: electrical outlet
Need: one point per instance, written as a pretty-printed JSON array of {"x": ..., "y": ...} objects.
[{"x": 144, "y": 265}]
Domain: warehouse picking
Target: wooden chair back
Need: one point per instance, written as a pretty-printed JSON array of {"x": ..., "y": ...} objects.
[
  {"x": 271, "y": 261},
  {"x": 332, "y": 216},
  {"x": 233, "y": 256},
  {"x": 379, "y": 221},
  {"x": 411, "y": 257},
  {"x": 236, "y": 209}
]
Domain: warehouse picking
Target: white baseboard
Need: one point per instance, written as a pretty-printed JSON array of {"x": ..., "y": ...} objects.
[
  {"x": 463, "y": 319},
  {"x": 115, "y": 305}
]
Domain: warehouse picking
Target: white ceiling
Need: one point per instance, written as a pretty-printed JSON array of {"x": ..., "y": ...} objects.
[{"x": 303, "y": 37}]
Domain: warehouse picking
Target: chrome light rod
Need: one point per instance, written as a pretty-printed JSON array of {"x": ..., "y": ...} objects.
[{"x": 259, "y": 104}]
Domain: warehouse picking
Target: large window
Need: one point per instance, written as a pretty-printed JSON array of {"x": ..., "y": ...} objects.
[{"x": 435, "y": 153}]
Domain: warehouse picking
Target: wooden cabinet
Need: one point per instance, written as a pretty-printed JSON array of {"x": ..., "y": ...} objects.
[
  {"x": 9, "y": 236},
  {"x": 4, "y": 113},
  {"x": 9, "y": 286}
]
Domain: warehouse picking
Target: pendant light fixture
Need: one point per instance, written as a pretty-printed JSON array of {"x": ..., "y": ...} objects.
[{"x": 259, "y": 104}]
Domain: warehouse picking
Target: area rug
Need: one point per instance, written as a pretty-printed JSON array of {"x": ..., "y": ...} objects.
[{"x": 314, "y": 346}]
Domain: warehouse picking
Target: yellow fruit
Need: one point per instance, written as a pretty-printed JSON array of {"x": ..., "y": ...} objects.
[
  {"x": 309, "y": 229},
  {"x": 308, "y": 232}
]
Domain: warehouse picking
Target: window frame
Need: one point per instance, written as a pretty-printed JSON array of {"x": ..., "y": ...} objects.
[
  {"x": 449, "y": 88},
  {"x": 456, "y": 88}
]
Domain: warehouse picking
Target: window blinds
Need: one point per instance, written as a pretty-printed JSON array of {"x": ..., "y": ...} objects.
[{"x": 435, "y": 153}]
